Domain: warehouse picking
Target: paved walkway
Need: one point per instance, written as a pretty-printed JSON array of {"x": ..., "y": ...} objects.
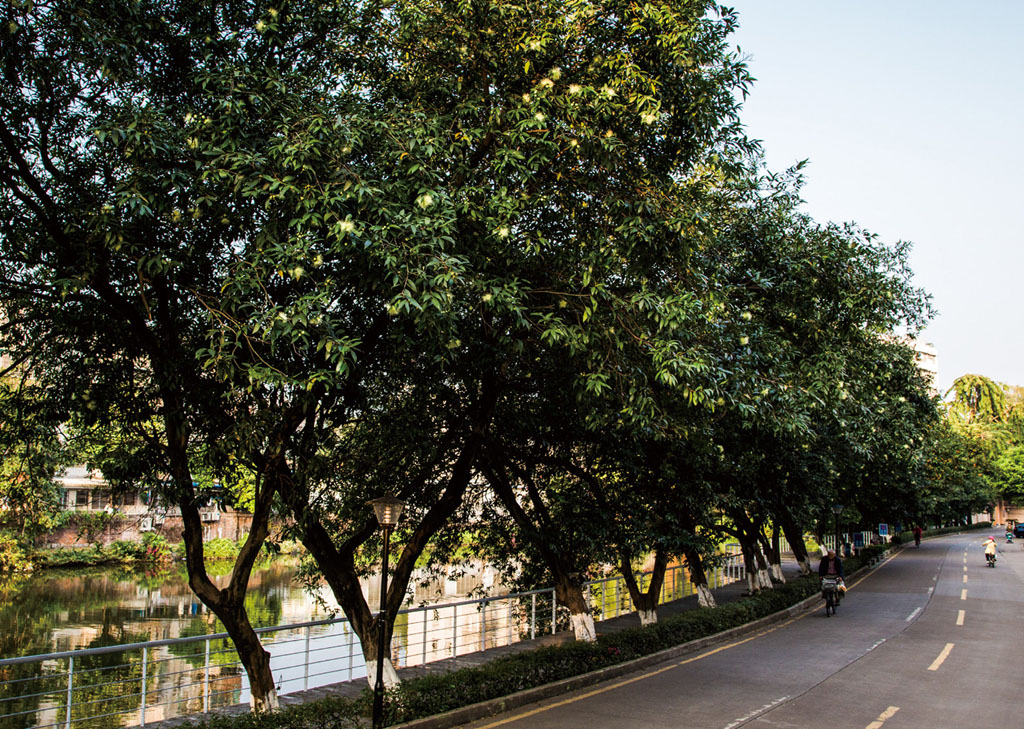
[{"x": 723, "y": 595}]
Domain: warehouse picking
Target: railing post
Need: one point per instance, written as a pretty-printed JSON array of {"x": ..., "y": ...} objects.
[
  {"x": 510, "y": 622},
  {"x": 426, "y": 616},
  {"x": 554, "y": 608},
  {"x": 533, "y": 616},
  {"x": 305, "y": 666},
  {"x": 455, "y": 631},
  {"x": 145, "y": 666},
  {"x": 352, "y": 652},
  {"x": 483, "y": 624},
  {"x": 71, "y": 683},
  {"x": 206, "y": 678},
  {"x": 618, "y": 599}
]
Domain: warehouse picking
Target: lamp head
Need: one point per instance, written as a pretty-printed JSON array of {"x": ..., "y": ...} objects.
[
  {"x": 388, "y": 510},
  {"x": 837, "y": 509}
]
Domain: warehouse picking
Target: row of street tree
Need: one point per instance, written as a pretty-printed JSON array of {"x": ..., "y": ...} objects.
[{"x": 516, "y": 264}]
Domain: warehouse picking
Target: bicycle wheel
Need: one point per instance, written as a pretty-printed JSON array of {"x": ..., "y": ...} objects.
[{"x": 829, "y": 603}]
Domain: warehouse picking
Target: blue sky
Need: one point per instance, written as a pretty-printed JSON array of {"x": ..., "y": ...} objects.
[{"x": 910, "y": 112}]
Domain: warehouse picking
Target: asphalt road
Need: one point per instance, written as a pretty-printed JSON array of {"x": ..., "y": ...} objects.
[{"x": 932, "y": 638}]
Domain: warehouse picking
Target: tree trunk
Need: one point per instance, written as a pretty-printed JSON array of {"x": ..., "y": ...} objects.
[
  {"x": 570, "y": 593},
  {"x": 228, "y": 604},
  {"x": 775, "y": 556},
  {"x": 795, "y": 537},
  {"x": 645, "y": 602},
  {"x": 337, "y": 562},
  {"x": 699, "y": 578}
]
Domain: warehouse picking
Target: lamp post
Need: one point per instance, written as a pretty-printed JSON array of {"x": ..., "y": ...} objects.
[
  {"x": 388, "y": 509},
  {"x": 837, "y": 509}
]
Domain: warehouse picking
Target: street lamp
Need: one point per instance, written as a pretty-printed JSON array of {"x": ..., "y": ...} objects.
[
  {"x": 837, "y": 509},
  {"x": 388, "y": 509}
]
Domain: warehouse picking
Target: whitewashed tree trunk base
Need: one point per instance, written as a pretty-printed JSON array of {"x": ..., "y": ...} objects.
[
  {"x": 805, "y": 566},
  {"x": 777, "y": 573},
  {"x": 267, "y": 705},
  {"x": 390, "y": 674},
  {"x": 764, "y": 579},
  {"x": 752, "y": 584},
  {"x": 583, "y": 627},
  {"x": 648, "y": 617},
  {"x": 704, "y": 597}
]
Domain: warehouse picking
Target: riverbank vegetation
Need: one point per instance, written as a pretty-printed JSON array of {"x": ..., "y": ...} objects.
[{"x": 520, "y": 266}]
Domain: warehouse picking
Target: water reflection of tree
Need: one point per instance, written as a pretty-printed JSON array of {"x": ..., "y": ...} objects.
[{"x": 108, "y": 683}]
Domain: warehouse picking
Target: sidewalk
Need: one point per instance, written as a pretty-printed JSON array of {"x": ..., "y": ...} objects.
[{"x": 353, "y": 688}]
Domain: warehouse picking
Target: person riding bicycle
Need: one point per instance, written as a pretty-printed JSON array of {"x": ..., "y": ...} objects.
[
  {"x": 831, "y": 565},
  {"x": 917, "y": 536},
  {"x": 990, "y": 549}
]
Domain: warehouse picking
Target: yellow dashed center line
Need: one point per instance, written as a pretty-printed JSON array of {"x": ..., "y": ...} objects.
[
  {"x": 960, "y": 617},
  {"x": 963, "y": 594},
  {"x": 965, "y": 578},
  {"x": 942, "y": 657},
  {"x": 887, "y": 714}
]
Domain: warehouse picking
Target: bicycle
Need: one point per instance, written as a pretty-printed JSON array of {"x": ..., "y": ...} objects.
[{"x": 830, "y": 591}]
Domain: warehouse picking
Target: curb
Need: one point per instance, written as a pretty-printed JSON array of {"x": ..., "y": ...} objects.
[{"x": 491, "y": 707}]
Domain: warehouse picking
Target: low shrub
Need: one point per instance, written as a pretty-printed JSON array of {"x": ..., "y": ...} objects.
[
  {"x": 72, "y": 557},
  {"x": 330, "y": 713}
]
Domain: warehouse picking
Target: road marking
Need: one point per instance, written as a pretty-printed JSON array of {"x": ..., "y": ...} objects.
[
  {"x": 960, "y": 617},
  {"x": 942, "y": 657},
  {"x": 913, "y": 614},
  {"x": 965, "y": 578},
  {"x": 757, "y": 712},
  {"x": 965, "y": 568},
  {"x": 963, "y": 594},
  {"x": 887, "y": 714},
  {"x": 931, "y": 590}
]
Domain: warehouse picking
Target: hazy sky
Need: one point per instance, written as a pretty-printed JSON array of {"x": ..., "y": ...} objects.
[{"x": 910, "y": 112}]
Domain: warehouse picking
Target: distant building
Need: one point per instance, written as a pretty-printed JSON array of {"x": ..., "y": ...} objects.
[
  {"x": 928, "y": 362},
  {"x": 137, "y": 511}
]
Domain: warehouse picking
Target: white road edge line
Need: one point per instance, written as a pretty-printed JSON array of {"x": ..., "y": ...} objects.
[
  {"x": 887, "y": 714},
  {"x": 757, "y": 712},
  {"x": 913, "y": 614},
  {"x": 942, "y": 657},
  {"x": 960, "y": 617}
]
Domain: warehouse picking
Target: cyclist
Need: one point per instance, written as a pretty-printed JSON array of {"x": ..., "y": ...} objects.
[
  {"x": 917, "y": 536},
  {"x": 990, "y": 550},
  {"x": 832, "y": 566}
]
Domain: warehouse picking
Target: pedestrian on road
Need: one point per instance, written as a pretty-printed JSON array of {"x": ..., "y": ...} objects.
[{"x": 917, "y": 535}]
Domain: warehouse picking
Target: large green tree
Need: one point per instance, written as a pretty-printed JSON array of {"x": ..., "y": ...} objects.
[{"x": 271, "y": 227}]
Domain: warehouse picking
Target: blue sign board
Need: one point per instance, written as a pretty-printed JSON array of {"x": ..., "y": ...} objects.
[
  {"x": 883, "y": 530},
  {"x": 858, "y": 540}
]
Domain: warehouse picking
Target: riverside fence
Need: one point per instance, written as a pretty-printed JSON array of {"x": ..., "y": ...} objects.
[{"x": 142, "y": 683}]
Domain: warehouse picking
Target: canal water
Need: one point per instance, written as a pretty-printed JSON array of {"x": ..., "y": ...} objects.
[{"x": 61, "y": 610}]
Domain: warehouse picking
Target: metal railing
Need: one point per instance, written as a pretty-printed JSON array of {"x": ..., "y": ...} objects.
[{"x": 142, "y": 683}]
